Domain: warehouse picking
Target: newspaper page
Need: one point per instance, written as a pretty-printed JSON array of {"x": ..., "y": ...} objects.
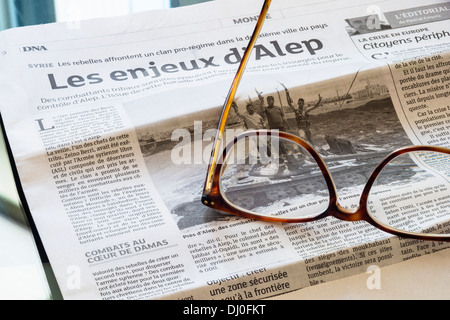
[{"x": 111, "y": 123}]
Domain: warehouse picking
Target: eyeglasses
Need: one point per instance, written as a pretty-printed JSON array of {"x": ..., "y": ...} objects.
[{"x": 275, "y": 176}]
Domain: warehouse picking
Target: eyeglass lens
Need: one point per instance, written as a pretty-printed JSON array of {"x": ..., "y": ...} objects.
[
  {"x": 271, "y": 176},
  {"x": 412, "y": 193}
]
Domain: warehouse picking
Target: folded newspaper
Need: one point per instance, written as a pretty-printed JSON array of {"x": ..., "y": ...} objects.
[{"x": 110, "y": 122}]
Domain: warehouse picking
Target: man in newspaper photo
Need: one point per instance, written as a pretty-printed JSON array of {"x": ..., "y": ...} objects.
[
  {"x": 276, "y": 120},
  {"x": 252, "y": 120},
  {"x": 302, "y": 115}
]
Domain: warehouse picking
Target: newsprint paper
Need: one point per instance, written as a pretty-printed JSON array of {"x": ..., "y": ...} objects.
[{"x": 111, "y": 122}]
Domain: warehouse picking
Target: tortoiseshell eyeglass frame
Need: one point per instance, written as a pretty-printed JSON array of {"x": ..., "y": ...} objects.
[{"x": 213, "y": 198}]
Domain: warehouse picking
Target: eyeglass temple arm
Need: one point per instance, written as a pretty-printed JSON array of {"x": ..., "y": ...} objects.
[{"x": 231, "y": 94}]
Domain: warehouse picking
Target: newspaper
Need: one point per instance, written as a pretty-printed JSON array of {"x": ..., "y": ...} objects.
[{"x": 111, "y": 121}]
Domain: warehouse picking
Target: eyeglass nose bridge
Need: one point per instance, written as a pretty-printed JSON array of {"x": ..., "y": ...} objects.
[{"x": 345, "y": 214}]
